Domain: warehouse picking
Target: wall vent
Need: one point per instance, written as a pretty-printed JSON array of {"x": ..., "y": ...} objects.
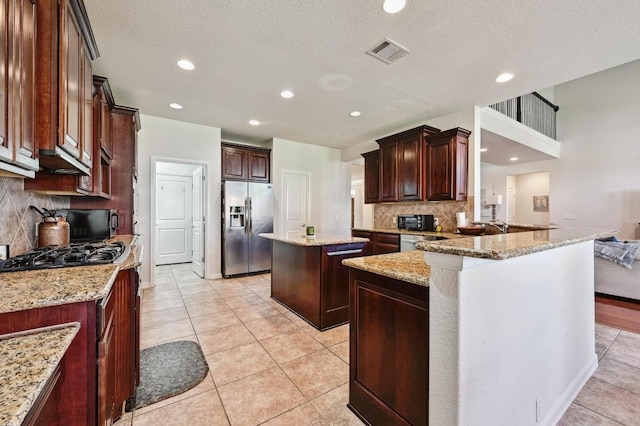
[{"x": 388, "y": 51}]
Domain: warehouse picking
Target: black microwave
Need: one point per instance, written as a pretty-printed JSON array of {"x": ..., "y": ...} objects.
[
  {"x": 416, "y": 222},
  {"x": 92, "y": 224}
]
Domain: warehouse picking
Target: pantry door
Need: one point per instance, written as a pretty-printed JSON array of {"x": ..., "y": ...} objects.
[
  {"x": 174, "y": 219},
  {"x": 296, "y": 190}
]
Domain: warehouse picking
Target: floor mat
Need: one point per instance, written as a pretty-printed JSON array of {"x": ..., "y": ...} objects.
[{"x": 167, "y": 370}]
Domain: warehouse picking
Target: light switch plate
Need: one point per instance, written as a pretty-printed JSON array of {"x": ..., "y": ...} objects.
[{"x": 4, "y": 252}]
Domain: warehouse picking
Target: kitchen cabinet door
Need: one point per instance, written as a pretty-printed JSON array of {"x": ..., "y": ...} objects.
[
  {"x": 389, "y": 350},
  {"x": 258, "y": 164},
  {"x": 17, "y": 86},
  {"x": 70, "y": 97},
  {"x": 385, "y": 243},
  {"x": 411, "y": 174},
  {"x": 234, "y": 163},
  {"x": 388, "y": 172},
  {"x": 371, "y": 176},
  {"x": 86, "y": 105},
  {"x": 447, "y": 165},
  {"x": 106, "y": 375}
]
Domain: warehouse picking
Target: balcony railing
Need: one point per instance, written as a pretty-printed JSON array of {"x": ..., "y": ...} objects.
[{"x": 532, "y": 110}]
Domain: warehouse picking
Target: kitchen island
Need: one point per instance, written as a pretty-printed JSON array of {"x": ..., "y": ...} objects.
[
  {"x": 505, "y": 335},
  {"x": 307, "y": 275}
]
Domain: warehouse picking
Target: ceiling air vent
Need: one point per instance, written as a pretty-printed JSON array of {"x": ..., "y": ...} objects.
[{"x": 387, "y": 51}]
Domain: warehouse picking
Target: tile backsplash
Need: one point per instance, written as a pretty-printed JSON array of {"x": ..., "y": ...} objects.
[
  {"x": 443, "y": 210},
  {"x": 18, "y": 223}
]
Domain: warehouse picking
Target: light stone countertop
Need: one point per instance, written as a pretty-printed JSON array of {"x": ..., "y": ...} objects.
[
  {"x": 24, "y": 290},
  {"x": 506, "y": 246},
  {"x": 406, "y": 266},
  {"x": 447, "y": 235},
  {"x": 299, "y": 239},
  {"x": 29, "y": 358}
]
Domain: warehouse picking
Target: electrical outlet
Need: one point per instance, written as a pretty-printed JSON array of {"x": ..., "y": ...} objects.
[
  {"x": 394, "y": 220},
  {"x": 569, "y": 216},
  {"x": 538, "y": 409}
]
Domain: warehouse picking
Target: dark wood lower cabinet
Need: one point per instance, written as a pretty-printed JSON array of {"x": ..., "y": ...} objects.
[
  {"x": 101, "y": 360},
  {"x": 379, "y": 242},
  {"x": 312, "y": 282},
  {"x": 389, "y": 350}
]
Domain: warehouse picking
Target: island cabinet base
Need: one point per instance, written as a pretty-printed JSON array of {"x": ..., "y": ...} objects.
[
  {"x": 312, "y": 282},
  {"x": 388, "y": 350}
]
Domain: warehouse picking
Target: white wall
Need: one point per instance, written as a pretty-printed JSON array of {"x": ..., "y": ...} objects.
[
  {"x": 170, "y": 139},
  {"x": 330, "y": 184},
  {"x": 509, "y": 332},
  {"x": 527, "y": 186},
  {"x": 175, "y": 169},
  {"x": 597, "y": 177}
]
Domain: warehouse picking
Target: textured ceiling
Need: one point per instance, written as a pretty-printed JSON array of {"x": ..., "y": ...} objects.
[{"x": 247, "y": 51}]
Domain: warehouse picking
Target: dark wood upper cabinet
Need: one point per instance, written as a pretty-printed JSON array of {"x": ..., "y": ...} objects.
[
  {"x": 259, "y": 163},
  {"x": 18, "y": 154},
  {"x": 242, "y": 162},
  {"x": 65, "y": 48},
  {"x": 372, "y": 176},
  {"x": 402, "y": 165},
  {"x": 447, "y": 165}
]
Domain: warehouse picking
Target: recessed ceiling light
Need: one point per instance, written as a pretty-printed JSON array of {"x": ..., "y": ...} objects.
[
  {"x": 186, "y": 65},
  {"x": 483, "y": 149},
  {"x": 504, "y": 77},
  {"x": 175, "y": 105},
  {"x": 287, "y": 94},
  {"x": 254, "y": 122},
  {"x": 513, "y": 158},
  {"x": 393, "y": 6},
  {"x": 355, "y": 113}
]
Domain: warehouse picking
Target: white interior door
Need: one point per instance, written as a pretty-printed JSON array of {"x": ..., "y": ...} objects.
[
  {"x": 511, "y": 205},
  {"x": 174, "y": 219},
  {"x": 198, "y": 222},
  {"x": 295, "y": 200}
]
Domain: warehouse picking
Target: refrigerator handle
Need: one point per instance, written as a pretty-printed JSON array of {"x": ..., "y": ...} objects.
[{"x": 249, "y": 216}]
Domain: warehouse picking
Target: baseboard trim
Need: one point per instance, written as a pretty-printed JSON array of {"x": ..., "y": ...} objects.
[
  {"x": 567, "y": 397},
  {"x": 213, "y": 276},
  {"x": 146, "y": 284}
]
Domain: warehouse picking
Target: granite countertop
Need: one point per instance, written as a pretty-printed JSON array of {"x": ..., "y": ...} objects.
[
  {"x": 406, "y": 266},
  {"x": 506, "y": 246},
  {"x": 299, "y": 239},
  {"x": 447, "y": 235},
  {"x": 24, "y": 290},
  {"x": 29, "y": 358}
]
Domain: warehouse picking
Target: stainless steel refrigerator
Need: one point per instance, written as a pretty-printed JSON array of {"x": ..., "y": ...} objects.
[{"x": 247, "y": 210}]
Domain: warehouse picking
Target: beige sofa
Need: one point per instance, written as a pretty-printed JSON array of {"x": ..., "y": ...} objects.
[{"x": 615, "y": 280}]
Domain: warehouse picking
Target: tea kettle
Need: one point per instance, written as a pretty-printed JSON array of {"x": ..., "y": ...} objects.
[{"x": 54, "y": 229}]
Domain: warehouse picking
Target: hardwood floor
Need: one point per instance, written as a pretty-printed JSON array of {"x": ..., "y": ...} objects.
[{"x": 618, "y": 313}]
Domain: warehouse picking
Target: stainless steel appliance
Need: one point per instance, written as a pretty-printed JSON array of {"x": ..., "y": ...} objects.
[
  {"x": 416, "y": 222},
  {"x": 92, "y": 224},
  {"x": 408, "y": 242},
  {"x": 77, "y": 254},
  {"x": 247, "y": 210}
]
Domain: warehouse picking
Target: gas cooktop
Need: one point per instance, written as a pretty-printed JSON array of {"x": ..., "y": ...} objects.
[{"x": 76, "y": 254}]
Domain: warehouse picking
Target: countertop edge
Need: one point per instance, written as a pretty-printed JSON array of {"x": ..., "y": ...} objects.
[{"x": 24, "y": 409}]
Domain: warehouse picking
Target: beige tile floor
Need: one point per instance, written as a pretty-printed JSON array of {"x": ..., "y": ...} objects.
[{"x": 267, "y": 366}]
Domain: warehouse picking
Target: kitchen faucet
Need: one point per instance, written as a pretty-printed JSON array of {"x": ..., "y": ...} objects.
[{"x": 500, "y": 226}]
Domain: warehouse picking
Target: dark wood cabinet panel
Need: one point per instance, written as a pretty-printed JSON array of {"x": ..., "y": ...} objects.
[
  {"x": 379, "y": 242},
  {"x": 17, "y": 87},
  {"x": 371, "y": 176},
  {"x": 388, "y": 172},
  {"x": 402, "y": 165},
  {"x": 447, "y": 165},
  {"x": 234, "y": 163},
  {"x": 259, "y": 166},
  {"x": 386, "y": 243},
  {"x": 312, "y": 282},
  {"x": 65, "y": 47},
  {"x": 389, "y": 350},
  {"x": 242, "y": 162}
]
